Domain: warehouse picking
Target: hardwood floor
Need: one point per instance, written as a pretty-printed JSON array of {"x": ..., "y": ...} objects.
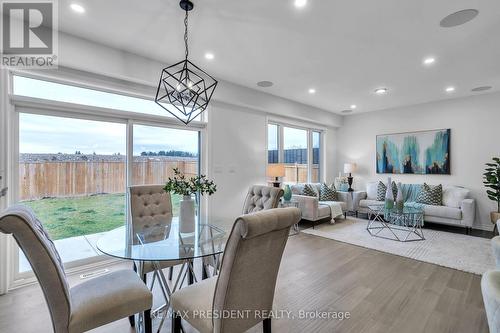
[{"x": 381, "y": 292}]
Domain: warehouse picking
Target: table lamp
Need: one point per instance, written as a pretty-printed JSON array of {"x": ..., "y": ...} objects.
[
  {"x": 349, "y": 168},
  {"x": 276, "y": 170}
]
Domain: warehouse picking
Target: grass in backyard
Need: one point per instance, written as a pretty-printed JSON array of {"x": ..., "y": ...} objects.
[{"x": 69, "y": 217}]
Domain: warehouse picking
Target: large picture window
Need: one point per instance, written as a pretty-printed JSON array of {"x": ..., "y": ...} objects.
[
  {"x": 74, "y": 168},
  {"x": 299, "y": 149}
]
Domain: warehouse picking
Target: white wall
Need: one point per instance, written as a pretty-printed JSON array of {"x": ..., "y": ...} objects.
[
  {"x": 474, "y": 123},
  {"x": 237, "y": 158}
]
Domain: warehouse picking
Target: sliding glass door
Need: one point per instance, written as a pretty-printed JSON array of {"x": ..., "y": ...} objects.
[
  {"x": 72, "y": 173},
  {"x": 70, "y": 162},
  {"x": 160, "y": 150}
]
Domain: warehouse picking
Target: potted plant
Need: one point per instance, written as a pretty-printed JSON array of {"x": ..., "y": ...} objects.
[
  {"x": 186, "y": 187},
  {"x": 492, "y": 182}
]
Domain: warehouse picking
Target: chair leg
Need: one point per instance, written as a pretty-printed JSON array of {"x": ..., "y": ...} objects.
[
  {"x": 131, "y": 320},
  {"x": 148, "y": 324},
  {"x": 176, "y": 322},
  {"x": 170, "y": 273},
  {"x": 266, "y": 325},
  {"x": 204, "y": 274},
  {"x": 190, "y": 273}
]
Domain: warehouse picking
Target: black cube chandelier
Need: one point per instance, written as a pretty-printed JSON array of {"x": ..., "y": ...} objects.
[{"x": 185, "y": 89}]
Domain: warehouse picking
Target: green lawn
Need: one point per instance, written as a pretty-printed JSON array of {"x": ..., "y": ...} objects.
[{"x": 68, "y": 217}]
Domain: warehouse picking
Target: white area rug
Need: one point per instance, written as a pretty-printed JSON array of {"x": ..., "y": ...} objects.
[{"x": 462, "y": 252}]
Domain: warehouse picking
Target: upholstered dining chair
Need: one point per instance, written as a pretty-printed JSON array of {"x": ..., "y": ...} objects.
[
  {"x": 261, "y": 197},
  {"x": 86, "y": 306},
  {"x": 247, "y": 277},
  {"x": 151, "y": 206}
]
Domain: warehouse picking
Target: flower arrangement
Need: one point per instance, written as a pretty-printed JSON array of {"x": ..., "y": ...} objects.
[{"x": 179, "y": 184}]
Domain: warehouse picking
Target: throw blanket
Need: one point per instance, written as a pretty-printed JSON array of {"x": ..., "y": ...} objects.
[{"x": 335, "y": 208}]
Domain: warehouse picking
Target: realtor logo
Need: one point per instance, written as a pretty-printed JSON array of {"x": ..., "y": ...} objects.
[{"x": 29, "y": 34}]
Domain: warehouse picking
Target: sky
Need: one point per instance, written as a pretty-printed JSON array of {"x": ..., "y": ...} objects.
[
  {"x": 292, "y": 138},
  {"x": 47, "y": 134}
]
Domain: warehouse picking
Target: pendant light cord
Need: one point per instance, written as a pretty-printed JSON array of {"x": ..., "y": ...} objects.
[{"x": 186, "y": 34}]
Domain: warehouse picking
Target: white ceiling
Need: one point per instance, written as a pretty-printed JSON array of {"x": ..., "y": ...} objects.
[{"x": 344, "y": 49}]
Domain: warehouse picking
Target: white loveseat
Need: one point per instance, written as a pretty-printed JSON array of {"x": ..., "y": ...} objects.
[
  {"x": 314, "y": 210},
  {"x": 458, "y": 207}
]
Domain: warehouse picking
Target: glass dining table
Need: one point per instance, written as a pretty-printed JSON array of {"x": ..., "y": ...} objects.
[{"x": 168, "y": 241}]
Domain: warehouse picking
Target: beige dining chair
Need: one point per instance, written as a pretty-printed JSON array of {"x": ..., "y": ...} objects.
[
  {"x": 88, "y": 305},
  {"x": 150, "y": 206},
  {"x": 260, "y": 197},
  {"x": 247, "y": 277}
]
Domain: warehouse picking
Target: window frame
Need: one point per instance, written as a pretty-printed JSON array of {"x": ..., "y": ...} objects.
[
  {"x": 281, "y": 151},
  {"x": 29, "y": 105}
]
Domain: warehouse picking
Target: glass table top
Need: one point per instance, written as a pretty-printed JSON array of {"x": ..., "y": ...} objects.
[
  {"x": 394, "y": 210},
  {"x": 164, "y": 242}
]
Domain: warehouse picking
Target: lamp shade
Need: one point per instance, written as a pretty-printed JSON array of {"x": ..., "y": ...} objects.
[
  {"x": 276, "y": 170},
  {"x": 349, "y": 167}
]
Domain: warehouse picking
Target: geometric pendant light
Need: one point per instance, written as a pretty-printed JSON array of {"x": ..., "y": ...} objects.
[{"x": 185, "y": 89}]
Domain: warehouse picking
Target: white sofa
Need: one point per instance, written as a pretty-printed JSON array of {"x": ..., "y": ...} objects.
[
  {"x": 314, "y": 210},
  {"x": 458, "y": 208}
]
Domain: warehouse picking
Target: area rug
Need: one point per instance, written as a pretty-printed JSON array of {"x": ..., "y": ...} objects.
[{"x": 458, "y": 251}]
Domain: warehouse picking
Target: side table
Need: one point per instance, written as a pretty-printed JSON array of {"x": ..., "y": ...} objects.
[
  {"x": 292, "y": 203},
  {"x": 352, "y": 197}
]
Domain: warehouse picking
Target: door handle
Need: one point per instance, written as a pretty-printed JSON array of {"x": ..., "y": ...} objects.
[{"x": 3, "y": 192}]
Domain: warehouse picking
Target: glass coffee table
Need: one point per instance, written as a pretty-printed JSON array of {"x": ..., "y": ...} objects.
[{"x": 403, "y": 225}]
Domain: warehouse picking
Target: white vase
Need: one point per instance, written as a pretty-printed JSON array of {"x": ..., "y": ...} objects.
[{"x": 187, "y": 215}]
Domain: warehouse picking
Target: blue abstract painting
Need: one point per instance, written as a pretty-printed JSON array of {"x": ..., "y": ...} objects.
[{"x": 424, "y": 152}]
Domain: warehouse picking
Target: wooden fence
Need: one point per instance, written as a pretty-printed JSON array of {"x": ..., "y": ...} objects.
[
  {"x": 71, "y": 179},
  {"x": 297, "y": 173}
]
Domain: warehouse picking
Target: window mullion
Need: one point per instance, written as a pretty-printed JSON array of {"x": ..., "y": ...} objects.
[{"x": 309, "y": 156}]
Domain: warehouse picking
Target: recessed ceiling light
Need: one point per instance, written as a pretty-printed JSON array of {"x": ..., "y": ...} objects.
[
  {"x": 77, "y": 8},
  {"x": 312, "y": 91},
  {"x": 209, "y": 56},
  {"x": 482, "y": 88},
  {"x": 429, "y": 61},
  {"x": 300, "y": 3},
  {"x": 381, "y": 91},
  {"x": 458, "y": 18},
  {"x": 346, "y": 111},
  {"x": 353, "y": 106},
  {"x": 265, "y": 84},
  {"x": 450, "y": 89}
]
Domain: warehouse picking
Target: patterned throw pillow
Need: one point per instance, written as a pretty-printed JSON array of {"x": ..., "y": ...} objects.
[
  {"x": 309, "y": 191},
  {"x": 327, "y": 193},
  {"x": 382, "y": 188},
  {"x": 431, "y": 195}
]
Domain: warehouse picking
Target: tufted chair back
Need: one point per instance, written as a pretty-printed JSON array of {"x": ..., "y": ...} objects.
[
  {"x": 261, "y": 197},
  {"x": 150, "y": 206},
  {"x": 32, "y": 238}
]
